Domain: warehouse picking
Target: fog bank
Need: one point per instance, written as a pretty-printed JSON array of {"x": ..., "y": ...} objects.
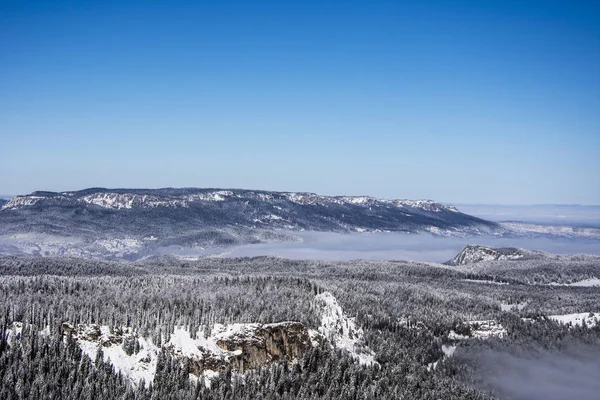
[
  {"x": 393, "y": 246},
  {"x": 544, "y": 214},
  {"x": 526, "y": 374}
]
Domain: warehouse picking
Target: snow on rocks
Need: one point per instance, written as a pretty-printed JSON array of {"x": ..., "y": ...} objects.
[
  {"x": 341, "y": 330},
  {"x": 138, "y": 365},
  {"x": 20, "y": 202},
  {"x": 474, "y": 253},
  {"x": 244, "y": 346},
  {"x": 219, "y": 195},
  {"x": 119, "y": 201}
]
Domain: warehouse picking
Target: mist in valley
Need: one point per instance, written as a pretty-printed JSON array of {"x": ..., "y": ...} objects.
[
  {"x": 386, "y": 246},
  {"x": 538, "y": 374}
]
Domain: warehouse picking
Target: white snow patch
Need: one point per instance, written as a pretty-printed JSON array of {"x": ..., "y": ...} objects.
[
  {"x": 591, "y": 319},
  {"x": 484, "y": 281},
  {"x": 137, "y": 367},
  {"x": 342, "y": 330},
  {"x": 511, "y": 307},
  {"x": 20, "y": 202},
  {"x": 591, "y": 282},
  {"x": 448, "y": 350}
]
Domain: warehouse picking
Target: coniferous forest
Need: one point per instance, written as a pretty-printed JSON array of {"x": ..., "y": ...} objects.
[{"x": 406, "y": 315}]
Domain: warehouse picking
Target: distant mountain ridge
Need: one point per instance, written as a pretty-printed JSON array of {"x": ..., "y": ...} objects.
[
  {"x": 170, "y": 197},
  {"x": 207, "y": 218}
]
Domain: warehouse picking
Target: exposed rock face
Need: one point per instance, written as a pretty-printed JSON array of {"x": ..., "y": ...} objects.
[
  {"x": 241, "y": 346},
  {"x": 266, "y": 344}
]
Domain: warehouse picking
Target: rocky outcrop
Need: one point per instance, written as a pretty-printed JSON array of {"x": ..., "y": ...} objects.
[
  {"x": 473, "y": 254},
  {"x": 105, "y": 336},
  {"x": 266, "y": 344},
  {"x": 241, "y": 346}
]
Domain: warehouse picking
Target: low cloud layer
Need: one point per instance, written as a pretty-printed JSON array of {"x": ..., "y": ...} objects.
[
  {"x": 544, "y": 214},
  {"x": 572, "y": 373},
  {"x": 333, "y": 246}
]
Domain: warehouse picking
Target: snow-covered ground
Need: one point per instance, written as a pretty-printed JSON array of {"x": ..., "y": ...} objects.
[
  {"x": 138, "y": 367},
  {"x": 590, "y": 282},
  {"x": 511, "y": 307},
  {"x": 490, "y": 282},
  {"x": 591, "y": 319}
]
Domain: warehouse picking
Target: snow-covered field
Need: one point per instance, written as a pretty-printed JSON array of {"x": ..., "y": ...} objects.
[
  {"x": 577, "y": 319},
  {"x": 590, "y": 282}
]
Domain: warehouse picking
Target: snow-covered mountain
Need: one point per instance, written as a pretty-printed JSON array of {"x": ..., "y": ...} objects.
[
  {"x": 123, "y": 222},
  {"x": 190, "y": 197}
]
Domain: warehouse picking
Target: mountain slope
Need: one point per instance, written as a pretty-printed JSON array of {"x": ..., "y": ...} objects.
[{"x": 214, "y": 217}]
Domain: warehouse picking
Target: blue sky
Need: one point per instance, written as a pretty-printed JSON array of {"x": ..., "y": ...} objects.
[{"x": 458, "y": 101}]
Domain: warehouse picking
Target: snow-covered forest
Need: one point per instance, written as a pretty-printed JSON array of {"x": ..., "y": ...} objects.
[{"x": 279, "y": 329}]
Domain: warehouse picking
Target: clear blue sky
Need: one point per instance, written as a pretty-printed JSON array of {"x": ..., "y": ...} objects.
[{"x": 458, "y": 101}]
